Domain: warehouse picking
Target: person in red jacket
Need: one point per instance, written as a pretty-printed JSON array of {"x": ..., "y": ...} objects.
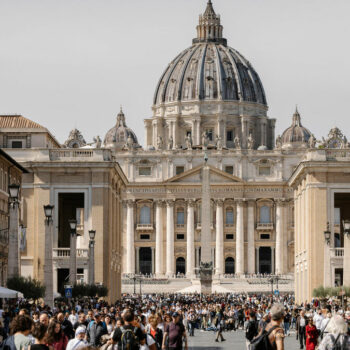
[{"x": 311, "y": 335}]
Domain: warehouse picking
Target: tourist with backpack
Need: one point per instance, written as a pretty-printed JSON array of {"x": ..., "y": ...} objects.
[
  {"x": 251, "y": 330},
  {"x": 128, "y": 336},
  {"x": 336, "y": 337},
  {"x": 95, "y": 331},
  {"x": 272, "y": 336}
]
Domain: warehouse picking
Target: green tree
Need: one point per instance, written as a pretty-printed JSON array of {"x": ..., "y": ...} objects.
[{"x": 29, "y": 287}]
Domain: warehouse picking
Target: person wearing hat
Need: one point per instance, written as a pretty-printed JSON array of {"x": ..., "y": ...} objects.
[
  {"x": 79, "y": 340},
  {"x": 175, "y": 333},
  {"x": 95, "y": 331}
]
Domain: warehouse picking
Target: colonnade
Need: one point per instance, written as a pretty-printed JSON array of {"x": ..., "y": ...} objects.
[{"x": 242, "y": 239}]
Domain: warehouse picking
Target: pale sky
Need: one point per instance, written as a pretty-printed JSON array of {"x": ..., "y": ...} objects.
[{"x": 72, "y": 63}]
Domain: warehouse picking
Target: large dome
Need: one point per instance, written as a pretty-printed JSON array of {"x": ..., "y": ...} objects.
[{"x": 209, "y": 70}]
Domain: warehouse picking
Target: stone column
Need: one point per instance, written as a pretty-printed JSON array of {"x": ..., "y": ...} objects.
[
  {"x": 279, "y": 238},
  {"x": 273, "y": 254},
  {"x": 130, "y": 251},
  {"x": 219, "y": 253},
  {"x": 13, "y": 246},
  {"x": 251, "y": 238},
  {"x": 346, "y": 259},
  {"x": 240, "y": 238},
  {"x": 170, "y": 270},
  {"x": 257, "y": 269},
  {"x": 153, "y": 259},
  {"x": 190, "y": 239},
  {"x": 137, "y": 267},
  {"x": 159, "y": 238}
]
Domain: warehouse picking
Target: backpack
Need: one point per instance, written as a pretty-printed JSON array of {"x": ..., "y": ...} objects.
[
  {"x": 251, "y": 330},
  {"x": 129, "y": 340},
  {"x": 262, "y": 341},
  {"x": 337, "y": 345},
  {"x": 8, "y": 344}
]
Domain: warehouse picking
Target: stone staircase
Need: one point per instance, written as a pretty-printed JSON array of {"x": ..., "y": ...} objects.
[{"x": 224, "y": 285}]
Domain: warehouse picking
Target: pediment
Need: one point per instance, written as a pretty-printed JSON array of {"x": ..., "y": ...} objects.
[{"x": 195, "y": 176}]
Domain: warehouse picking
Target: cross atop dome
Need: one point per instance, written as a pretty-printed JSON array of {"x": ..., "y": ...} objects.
[
  {"x": 209, "y": 28},
  {"x": 296, "y": 117}
]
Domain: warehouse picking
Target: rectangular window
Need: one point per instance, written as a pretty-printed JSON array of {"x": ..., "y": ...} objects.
[
  {"x": 229, "y": 236},
  {"x": 17, "y": 144},
  {"x": 264, "y": 236},
  {"x": 144, "y": 236},
  {"x": 180, "y": 170},
  {"x": 264, "y": 170},
  {"x": 229, "y": 169},
  {"x": 229, "y": 136},
  {"x": 145, "y": 171},
  {"x": 210, "y": 134},
  {"x": 229, "y": 217},
  {"x": 180, "y": 236},
  {"x": 180, "y": 217}
]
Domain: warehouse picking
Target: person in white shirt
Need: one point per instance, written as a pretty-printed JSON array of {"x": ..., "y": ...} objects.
[
  {"x": 324, "y": 324},
  {"x": 318, "y": 318},
  {"x": 73, "y": 317},
  {"x": 78, "y": 341}
]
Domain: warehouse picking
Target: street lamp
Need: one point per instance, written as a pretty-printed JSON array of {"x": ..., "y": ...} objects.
[
  {"x": 327, "y": 235},
  {"x": 346, "y": 227},
  {"x": 14, "y": 192},
  {"x": 92, "y": 234},
  {"x": 13, "y": 246},
  {"x": 73, "y": 251},
  {"x": 48, "y": 270}
]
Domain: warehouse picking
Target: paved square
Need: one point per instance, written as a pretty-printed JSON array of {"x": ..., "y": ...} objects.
[{"x": 234, "y": 340}]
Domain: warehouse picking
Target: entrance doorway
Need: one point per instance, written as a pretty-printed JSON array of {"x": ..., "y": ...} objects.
[
  {"x": 181, "y": 266},
  {"x": 145, "y": 261},
  {"x": 62, "y": 279},
  {"x": 265, "y": 260},
  {"x": 230, "y": 266}
]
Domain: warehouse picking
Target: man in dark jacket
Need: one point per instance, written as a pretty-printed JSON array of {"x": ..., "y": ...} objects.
[
  {"x": 95, "y": 331},
  {"x": 301, "y": 328},
  {"x": 251, "y": 330}
]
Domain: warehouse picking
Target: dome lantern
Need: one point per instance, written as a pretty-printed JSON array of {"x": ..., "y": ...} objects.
[{"x": 209, "y": 28}]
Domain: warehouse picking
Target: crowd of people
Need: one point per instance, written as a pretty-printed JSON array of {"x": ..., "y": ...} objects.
[{"x": 165, "y": 321}]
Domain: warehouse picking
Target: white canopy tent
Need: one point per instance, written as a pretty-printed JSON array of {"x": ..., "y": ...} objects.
[{"x": 9, "y": 293}]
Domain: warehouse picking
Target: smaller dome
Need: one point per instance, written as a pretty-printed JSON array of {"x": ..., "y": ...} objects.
[
  {"x": 120, "y": 135},
  {"x": 296, "y": 136}
]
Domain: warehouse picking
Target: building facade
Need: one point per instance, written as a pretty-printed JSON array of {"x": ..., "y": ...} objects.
[{"x": 145, "y": 202}]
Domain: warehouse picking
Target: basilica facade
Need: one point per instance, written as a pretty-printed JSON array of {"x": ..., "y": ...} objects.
[{"x": 146, "y": 201}]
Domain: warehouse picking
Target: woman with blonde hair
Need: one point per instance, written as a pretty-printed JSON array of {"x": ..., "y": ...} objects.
[{"x": 336, "y": 335}]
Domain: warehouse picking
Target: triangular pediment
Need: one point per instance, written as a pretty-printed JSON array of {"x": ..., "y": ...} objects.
[{"x": 195, "y": 176}]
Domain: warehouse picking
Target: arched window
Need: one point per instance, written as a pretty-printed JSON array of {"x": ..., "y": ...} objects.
[
  {"x": 180, "y": 216},
  {"x": 265, "y": 215},
  {"x": 229, "y": 266},
  {"x": 145, "y": 215},
  {"x": 229, "y": 216}
]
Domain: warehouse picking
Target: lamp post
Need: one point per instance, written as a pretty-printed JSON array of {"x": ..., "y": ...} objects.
[
  {"x": 48, "y": 278},
  {"x": 73, "y": 252},
  {"x": 13, "y": 258},
  {"x": 92, "y": 234},
  {"x": 346, "y": 228},
  {"x": 327, "y": 235}
]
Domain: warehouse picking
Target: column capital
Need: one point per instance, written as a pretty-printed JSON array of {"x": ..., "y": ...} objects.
[
  {"x": 130, "y": 203},
  {"x": 219, "y": 202},
  {"x": 170, "y": 202},
  {"x": 239, "y": 201},
  {"x": 280, "y": 201},
  {"x": 159, "y": 202},
  {"x": 190, "y": 202}
]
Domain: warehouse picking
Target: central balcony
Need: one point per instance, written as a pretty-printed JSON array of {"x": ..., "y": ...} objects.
[
  {"x": 64, "y": 253},
  {"x": 144, "y": 227},
  {"x": 262, "y": 226}
]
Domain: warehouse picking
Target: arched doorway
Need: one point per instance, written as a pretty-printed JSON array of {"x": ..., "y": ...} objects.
[
  {"x": 265, "y": 260},
  {"x": 180, "y": 266},
  {"x": 230, "y": 266},
  {"x": 145, "y": 260}
]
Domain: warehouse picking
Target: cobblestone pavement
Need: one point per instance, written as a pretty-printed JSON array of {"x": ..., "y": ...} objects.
[{"x": 234, "y": 340}]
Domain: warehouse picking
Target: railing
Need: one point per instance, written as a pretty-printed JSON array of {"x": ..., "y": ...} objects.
[
  {"x": 144, "y": 227},
  {"x": 264, "y": 226},
  {"x": 337, "y": 252},
  {"x": 63, "y": 154},
  {"x": 337, "y": 154},
  {"x": 229, "y": 225},
  {"x": 180, "y": 225},
  {"x": 65, "y": 253}
]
